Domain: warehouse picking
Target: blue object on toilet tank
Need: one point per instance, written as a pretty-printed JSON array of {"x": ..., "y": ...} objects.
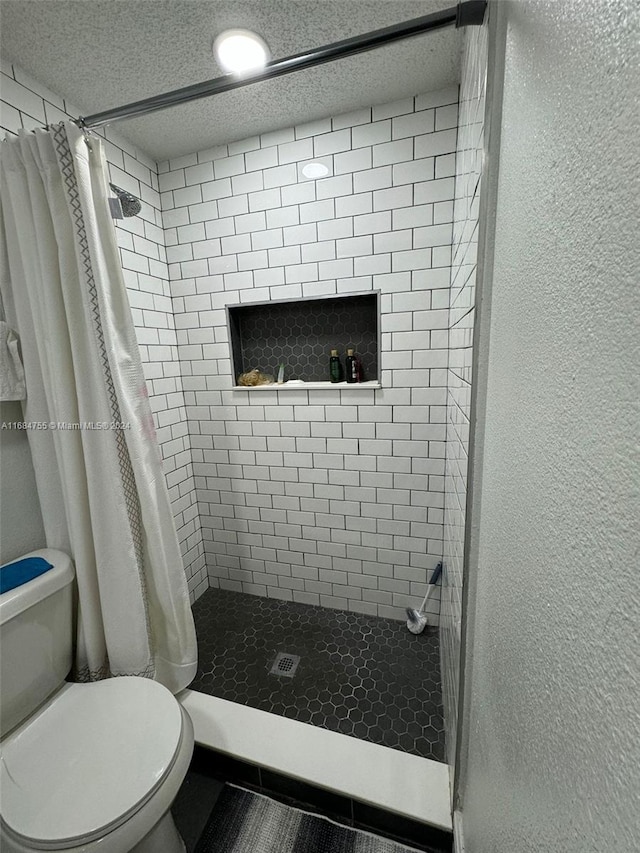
[{"x": 22, "y": 571}]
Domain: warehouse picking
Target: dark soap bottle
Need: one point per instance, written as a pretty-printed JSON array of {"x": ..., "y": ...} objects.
[
  {"x": 353, "y": 367},
  {"x": 335, "y": 368}
]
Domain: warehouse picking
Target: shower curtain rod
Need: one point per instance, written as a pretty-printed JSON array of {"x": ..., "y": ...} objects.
[{"x": 466, "y": 13}]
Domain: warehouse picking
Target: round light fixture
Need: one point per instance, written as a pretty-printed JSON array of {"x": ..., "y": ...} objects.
[
  {"x": 314, "y": 170},
  {"x": 240, "y": 51}
]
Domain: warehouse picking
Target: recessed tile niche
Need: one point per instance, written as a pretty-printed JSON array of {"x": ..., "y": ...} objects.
[{"x": 301, "y": 334}]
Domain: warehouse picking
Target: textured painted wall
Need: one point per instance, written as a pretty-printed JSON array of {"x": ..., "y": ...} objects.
[
  {"x": 324, "y": 496},
  {"x": 462, "y": 299},
  {"x": 553, "y": 763},
  {"x": 26, "y": 104}
]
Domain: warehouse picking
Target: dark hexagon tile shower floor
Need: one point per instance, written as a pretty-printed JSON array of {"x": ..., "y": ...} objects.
[{"x": 359, "y": 675}]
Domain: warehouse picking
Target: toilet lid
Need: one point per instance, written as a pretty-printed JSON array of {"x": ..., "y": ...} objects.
[{"x": 88, "y": 759}]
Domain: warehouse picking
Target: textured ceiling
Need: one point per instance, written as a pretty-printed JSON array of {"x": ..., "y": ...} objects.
[{"x": 104, "y": 53}]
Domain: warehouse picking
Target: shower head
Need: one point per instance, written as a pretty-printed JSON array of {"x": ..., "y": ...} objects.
[{"x": 131, "y": 206}]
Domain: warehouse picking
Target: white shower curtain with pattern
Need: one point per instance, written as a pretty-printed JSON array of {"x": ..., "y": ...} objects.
[{"x": 99, "y": 474}]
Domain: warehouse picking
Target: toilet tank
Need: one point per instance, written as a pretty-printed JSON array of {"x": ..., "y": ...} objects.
[{"x": 35, "y": 639}]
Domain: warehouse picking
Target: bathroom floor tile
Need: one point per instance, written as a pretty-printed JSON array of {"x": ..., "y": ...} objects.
[
  {"x": 192, "y": 806},
  {"x": 362, "y": 676},
  {"x": 210, "y": 770}
]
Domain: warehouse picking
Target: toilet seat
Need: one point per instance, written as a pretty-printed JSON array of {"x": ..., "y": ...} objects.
[{"x": 87, "y": 760}]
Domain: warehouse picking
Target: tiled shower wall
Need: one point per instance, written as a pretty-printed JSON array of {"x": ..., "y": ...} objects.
[
  {"x": 469, "y": 162},
  {"x": 340, "y": 499},
  {"x": 331, "y": 497},
  {"x": 25, "y": 103}
]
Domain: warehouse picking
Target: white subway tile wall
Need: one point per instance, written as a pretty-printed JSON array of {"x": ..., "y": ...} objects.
[
  {"x": 329, "y": 497},
  {"x": 325, "y": 497},
  {"x": 25, "y": 103},
  {"x": 469, "y": 160}
]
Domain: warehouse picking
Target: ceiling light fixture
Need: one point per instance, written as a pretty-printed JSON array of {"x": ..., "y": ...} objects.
[
  {"x": 314, "y": 170},
  {"x": 240, "y": 51}
]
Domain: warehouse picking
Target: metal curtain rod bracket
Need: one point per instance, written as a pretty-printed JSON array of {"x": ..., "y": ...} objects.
[{"x": 466, "y": 13}]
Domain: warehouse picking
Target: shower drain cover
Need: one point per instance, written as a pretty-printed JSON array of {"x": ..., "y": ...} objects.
[{"x": 285, "y": 664}]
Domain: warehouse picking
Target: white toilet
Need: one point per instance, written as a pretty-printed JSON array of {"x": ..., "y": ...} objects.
[{"x": 88, "y": 768}]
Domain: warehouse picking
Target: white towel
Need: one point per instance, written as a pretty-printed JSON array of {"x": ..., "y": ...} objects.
[{"x": 12, "y": 385}]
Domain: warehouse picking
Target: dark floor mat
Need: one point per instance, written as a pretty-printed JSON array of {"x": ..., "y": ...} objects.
[{"x": 244, "y": 822}]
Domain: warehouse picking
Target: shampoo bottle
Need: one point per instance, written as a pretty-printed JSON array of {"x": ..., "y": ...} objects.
[
  {"x": 335, "y": 368},
  {"x": 353, "y": 367}
]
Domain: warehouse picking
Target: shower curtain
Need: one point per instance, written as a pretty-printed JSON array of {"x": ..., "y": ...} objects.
[{"x": 98, "y": 469}]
